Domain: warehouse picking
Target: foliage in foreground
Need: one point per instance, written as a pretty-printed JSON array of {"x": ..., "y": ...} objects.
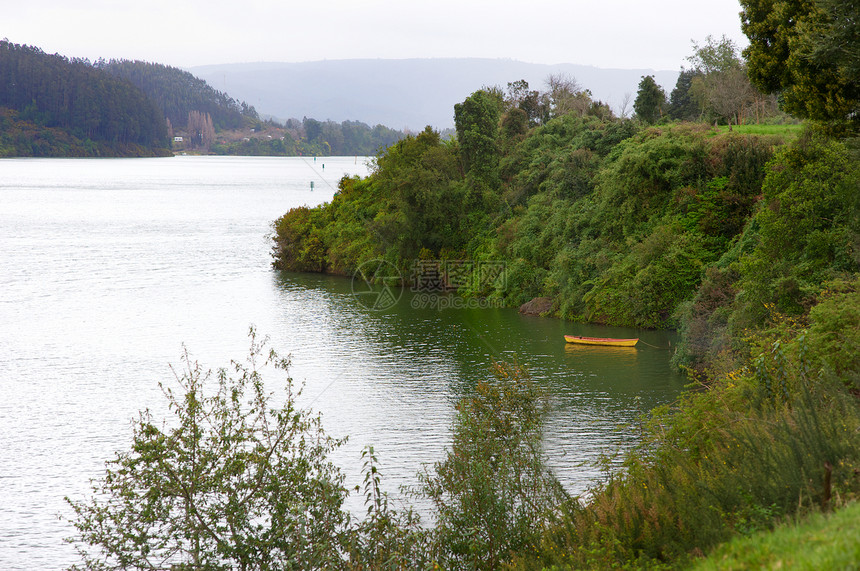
[
  {"x": 236, "y": 481},
  {"x": 233, "y": 481},
  {"x": 493, "y": 495}
]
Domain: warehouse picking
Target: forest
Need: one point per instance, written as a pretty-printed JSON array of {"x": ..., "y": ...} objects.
[
  {"x": 53, "y": 106},
  {"x": 177, "y": 93}
]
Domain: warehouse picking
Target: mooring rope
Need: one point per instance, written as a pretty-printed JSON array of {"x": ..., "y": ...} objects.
[{"x": 646, "y": 343}]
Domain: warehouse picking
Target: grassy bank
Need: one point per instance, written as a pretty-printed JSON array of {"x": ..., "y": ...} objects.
[
  {"x": 788, "y": 130},
  {"x": 821, "y": 541}
]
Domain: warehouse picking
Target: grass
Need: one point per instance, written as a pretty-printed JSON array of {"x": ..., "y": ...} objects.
[
  {"x": 822, "y": 541},
  {"x": 792, "y": 130}
]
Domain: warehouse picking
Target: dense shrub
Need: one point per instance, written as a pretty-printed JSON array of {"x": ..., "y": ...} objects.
[
  {"x": 493, "y": 495},
  {"x": 807, "y": 229}
]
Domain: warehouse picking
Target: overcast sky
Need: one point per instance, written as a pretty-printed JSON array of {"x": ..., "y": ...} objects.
[{"x": 654, "y": 34}]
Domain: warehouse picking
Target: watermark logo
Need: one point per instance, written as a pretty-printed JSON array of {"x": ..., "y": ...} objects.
[
  {"x": 433, "y": 283},
  {"x": 440, "y": 302},
  {"x": 376, "y": 285},
  {"x": 438, "y": 276}
]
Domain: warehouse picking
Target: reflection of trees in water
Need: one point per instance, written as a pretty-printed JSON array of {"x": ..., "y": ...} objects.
[{"x": 619, "y": 356}]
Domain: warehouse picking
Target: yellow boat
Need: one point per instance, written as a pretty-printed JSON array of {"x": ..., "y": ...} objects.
[{"x": 601, "y": 341}]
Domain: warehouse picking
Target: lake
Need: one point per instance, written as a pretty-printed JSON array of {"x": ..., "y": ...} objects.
[{"x": 109, "y": 267}]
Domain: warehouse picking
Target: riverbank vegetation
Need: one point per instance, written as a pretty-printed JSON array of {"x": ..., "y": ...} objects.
[
  {"x": 240, "y": 477},
  {"x": 307, "y": 137},
  {"x": 677, "y": 225}
]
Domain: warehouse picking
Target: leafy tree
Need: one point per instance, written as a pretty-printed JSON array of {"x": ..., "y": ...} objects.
[
  {"x": 836, "y": 38},
  {"x": 808, "y": 228},
  {"x": 650, "y": 100},
  {"x": 477, "y": 123},
  {"x": 721, "y": 84},
  {"x": 418, "y": 175},
  {"x": 313, "y": 129},
  {"x": 514, "y": 125},
  {"x": 493, "y": 494},
  {"x": 715, "y": 56},
  {"x": 682, "y": 104},
  {"x": 806, "y": 51},
  {"x": 534, "y": 103},
  {"x": 232, "y": 481}
]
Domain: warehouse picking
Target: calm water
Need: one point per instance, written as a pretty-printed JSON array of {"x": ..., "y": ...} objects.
[{"x": 107, "y": 267}]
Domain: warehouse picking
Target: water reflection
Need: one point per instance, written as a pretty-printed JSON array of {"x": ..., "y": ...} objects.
[{"x": 391, "y": 378}]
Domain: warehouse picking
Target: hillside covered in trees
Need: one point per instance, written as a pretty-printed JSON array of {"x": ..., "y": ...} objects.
[
  {"x": 178, "y": 93},
  {"x": 54, "y": 106},
  {"x": 680, "y": 225}
]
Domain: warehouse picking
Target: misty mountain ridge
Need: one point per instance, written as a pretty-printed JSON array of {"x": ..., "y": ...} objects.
[{"x": 403, "y": 93}]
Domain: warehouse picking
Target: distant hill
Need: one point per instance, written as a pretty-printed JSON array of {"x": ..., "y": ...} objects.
[
  {"x": 409, "y": 93},
  {"x": 177, "y": 93},
  {"x": 54, "y": 106}
]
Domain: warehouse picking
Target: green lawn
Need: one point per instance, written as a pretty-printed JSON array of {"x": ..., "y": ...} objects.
[
  {"x": 823, "y": 541},
  {"x": 792, "y": 130}
]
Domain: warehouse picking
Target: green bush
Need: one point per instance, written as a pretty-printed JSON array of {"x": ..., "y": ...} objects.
[
  {"x": 834, "y": 330},
  {"x": 298, "y": 245},
  {"x": 493, "y": 495},
  {"x": 807, "y": 229}
]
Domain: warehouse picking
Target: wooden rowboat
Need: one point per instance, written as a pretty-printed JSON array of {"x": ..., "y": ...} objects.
[{"x": 601, "y": 341}]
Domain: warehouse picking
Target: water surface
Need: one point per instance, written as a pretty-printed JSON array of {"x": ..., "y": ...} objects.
[{"x": 107, "y": 267}]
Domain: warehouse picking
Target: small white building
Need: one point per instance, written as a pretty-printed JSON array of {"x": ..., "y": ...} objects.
[{"x": 177, "y": 139}]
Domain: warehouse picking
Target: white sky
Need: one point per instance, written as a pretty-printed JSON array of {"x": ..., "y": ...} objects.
[{"x": 653, "y": 34}]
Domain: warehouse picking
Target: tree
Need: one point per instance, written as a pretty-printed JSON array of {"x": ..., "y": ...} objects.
[
  {"x": 806, "y": 51},
  {"x": 721, "y": 84},
  {"x": 625, "y": 105},
  {"x": 201, "y": 129},
  {"x": 232, "y": 481},
  {"x": 650, "y": 100},
  {"x": 682, "y": 105},
  {"x": 493, "y": 494},
  {"x": 715, "y": 56},
  {"x": 836, "y": 38},
  {"x": 477, "y": 122},
  {"x": 567, "y": 96},
  {"x": 533, "y": 102}
]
